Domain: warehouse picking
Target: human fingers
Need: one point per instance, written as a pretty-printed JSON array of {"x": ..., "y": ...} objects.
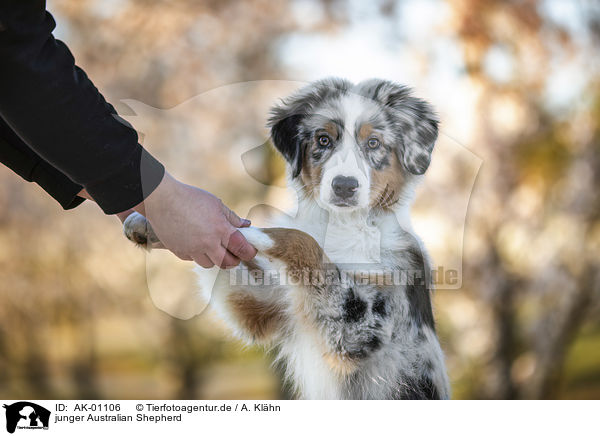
[
  {"x": 233, "y": 219},
  {"x": 203, "y": 261},
  {"x": 229, "y": 260},
  {"x": 222, "y": 258},
  {"x": 239, "y": 247}
]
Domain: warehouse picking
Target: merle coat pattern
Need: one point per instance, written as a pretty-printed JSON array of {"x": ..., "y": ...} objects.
[{"x": 319, "y": 290}]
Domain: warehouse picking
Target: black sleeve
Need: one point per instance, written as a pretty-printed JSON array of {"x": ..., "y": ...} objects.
[
  {"x": 56, "y": 110},
  {"x": 17, "y": 156}
]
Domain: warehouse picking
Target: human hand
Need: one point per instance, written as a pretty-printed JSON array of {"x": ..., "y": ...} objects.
[{"x": 195, "y": 225}]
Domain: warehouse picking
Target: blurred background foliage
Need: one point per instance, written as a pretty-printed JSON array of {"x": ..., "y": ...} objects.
[{"x": 515, "y": 82}]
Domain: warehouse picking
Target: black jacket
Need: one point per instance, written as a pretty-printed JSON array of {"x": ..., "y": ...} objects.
[{"x": 56, "y": 129}]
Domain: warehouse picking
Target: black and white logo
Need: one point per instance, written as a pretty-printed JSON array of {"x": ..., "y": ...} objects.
[{"x": 26, "y": 415}]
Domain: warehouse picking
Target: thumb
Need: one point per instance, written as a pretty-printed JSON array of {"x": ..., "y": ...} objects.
[{"x": 233, "y": 219}]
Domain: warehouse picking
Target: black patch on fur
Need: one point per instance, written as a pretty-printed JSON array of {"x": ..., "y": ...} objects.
[
  {"x": 379, "y": 306},
  {"x": 417, "y": 290},
  {"x": 285, "y": 139},
  {"x": 374, "y": 343},
  {"x": 354, "y": 307},
  {"x": 417, "y": 389},
  {"x": 420, "y": 306},
  {"x": 357, "y": 354}
]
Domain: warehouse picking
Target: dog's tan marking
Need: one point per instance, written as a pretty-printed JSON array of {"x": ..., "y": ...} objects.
[
  {"x": 311, "y": 176},
  {"x": 341, "y": 365},
  {"x": 261, "y": 319},
  {"x": 386, "y": 185},
  {"x": 331, "y": 128},
  {"x": 365, "y": 132},
  {"x": 301, "y": 253}
]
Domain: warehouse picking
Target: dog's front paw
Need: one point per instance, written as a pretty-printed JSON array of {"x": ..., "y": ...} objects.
[
  {"x": 138, "y": 230},
  {"x": 257, "y": 238}
]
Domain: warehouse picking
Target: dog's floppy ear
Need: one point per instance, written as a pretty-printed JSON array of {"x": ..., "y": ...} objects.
[
  {"x": 415, "y": 123},
  {"x": 285, "y": 135},
  {"x": 418, "y": 123}
]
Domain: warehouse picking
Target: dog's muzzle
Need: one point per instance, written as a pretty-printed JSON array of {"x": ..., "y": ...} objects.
[{"x": 344, "y": 189}]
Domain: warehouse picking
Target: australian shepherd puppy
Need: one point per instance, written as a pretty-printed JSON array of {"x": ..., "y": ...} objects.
[{"x": 342, "y": 289}]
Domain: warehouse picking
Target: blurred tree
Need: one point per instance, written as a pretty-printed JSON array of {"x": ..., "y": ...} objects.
[{"x": 534, "y": 204}]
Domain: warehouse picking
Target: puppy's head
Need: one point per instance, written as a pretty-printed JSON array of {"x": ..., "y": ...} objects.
[{"x": 351, "y": 146}]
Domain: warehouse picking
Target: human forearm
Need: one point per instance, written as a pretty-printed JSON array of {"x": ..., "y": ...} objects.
[{"x": 52, "y": 105}]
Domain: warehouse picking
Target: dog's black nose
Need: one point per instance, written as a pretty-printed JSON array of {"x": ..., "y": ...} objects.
[{"x": 344, "y": 187}]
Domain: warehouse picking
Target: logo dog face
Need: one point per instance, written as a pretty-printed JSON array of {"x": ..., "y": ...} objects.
[
  {"x": 353, "y": 147},
  {"x": 26, "y": 414}
]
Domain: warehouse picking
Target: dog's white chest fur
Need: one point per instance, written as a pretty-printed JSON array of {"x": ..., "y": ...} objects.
[{"x": 363, "y": 247}]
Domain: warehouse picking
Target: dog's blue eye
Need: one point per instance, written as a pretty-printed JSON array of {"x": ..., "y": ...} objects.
[
  {"x": 324, "y": 141},
  {"x": 373, "y": 143}
]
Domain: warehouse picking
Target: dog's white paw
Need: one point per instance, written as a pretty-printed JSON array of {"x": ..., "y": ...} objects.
[{"x": 257, "y": 238}]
